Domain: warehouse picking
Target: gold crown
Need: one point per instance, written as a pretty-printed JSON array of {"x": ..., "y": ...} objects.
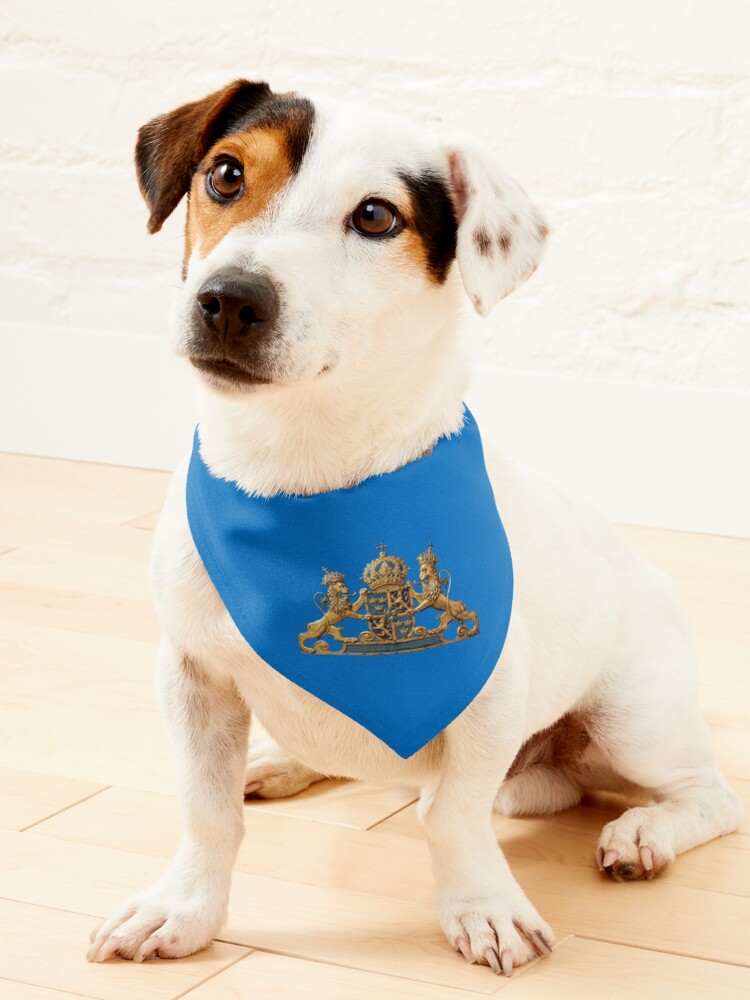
[
  {"x": 330, "y": 577},
  {"x": 385, "y": 571},
  {"x": 428, "y": 556}
]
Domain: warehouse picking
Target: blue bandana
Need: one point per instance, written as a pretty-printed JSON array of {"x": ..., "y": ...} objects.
[{"x": 390, "y": 600}]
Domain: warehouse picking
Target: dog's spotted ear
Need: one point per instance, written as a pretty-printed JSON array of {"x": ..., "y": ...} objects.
[
  {"x": 170, "y": 147},
  {"x": 501, "y": 234}
]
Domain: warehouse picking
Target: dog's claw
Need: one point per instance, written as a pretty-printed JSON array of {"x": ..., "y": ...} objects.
[
  {"x": 647, "y": 860},
  {"x": 609, "y": 858},
  {"x": 149, "y": 949},
  {"x": 493, "y": 961},
  {"x": 541, "y": 943},
  {"x": 506, "y": 962},
  {"x": 94, "y": 949},
  {"x": 107, "y": 950},
  {"x": 600, "y": 858},
  {"x": 253, "y": 786},
  {"x": 463, "y": 947}
]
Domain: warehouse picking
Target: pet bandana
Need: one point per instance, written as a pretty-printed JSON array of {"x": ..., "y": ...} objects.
[{"x": 389, "y": 600}]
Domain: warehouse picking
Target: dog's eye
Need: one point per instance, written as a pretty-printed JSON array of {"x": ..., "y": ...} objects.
[
  {"x": 374, "y": 217},
  {"x": 224, "y": 182}
]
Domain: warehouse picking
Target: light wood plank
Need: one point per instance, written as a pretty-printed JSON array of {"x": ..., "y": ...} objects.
[
  {"x": 27, "y": 798},
  {"x": 732, "y": 751},
  {"x": 45, "y": 948},
  {"x": 78, "y": 611},
  {"x": 583, "y": 968},
  {"x": 78, "y": 569},
  {"x": 712, "y": 576},
  {"x": 28, "y": 528},
  {"x": 70, "y": 703},
  {"x": 26, "y": 991},
  {"x": 357, "y": 804},
  {"x": 706, "y": 564},
  {"x": 277, "y": 977},
  {"x": 82, "y": 491},
  {"x": 147, "y": 522}
]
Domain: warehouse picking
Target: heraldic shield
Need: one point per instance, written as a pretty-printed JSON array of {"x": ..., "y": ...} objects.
[
  {"x": 391, "y": 604},
  {"x": 389, "y": 635}
]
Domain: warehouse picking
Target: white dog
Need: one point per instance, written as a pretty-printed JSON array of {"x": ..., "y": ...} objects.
[{"x": 320, "y": 308}]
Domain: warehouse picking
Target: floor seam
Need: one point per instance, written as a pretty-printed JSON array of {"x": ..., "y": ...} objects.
[
  {"x": 70, "y": 805},
  {"x": 665, "y": 951},
  {"x": 358, "y": 968},
  {"x": 219, "y": 972}
]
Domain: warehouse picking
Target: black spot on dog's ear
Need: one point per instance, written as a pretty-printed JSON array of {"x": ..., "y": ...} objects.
[
  {"x": 434, "y": 219},
  {"x": 482, "y": 242},
  {"x": 542, "y": 231},
  {"x": 504, "y": 241}
]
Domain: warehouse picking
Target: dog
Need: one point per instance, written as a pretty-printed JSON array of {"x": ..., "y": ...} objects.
[{"x": 326, "y": 247}]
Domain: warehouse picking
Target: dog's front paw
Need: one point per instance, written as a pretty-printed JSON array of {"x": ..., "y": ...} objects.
[
  {"x": 156, "y": 924},
  {"x": 273, "y": 774},
  {"x": 497, "y": 931}
]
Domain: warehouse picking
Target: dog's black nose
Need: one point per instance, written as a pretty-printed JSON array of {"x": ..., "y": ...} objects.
[{"x": 233, "y": 304}]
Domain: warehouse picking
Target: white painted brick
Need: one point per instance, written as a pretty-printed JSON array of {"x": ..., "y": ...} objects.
[{"x": 629, "y": 123}]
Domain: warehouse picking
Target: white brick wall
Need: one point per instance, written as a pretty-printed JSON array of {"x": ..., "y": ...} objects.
[{"x": 628, "y": 121}]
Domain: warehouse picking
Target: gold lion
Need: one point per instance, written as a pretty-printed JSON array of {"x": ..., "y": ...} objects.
[
  {"x": 339, "y": 607},
  {"x": 432, "y": 596}
]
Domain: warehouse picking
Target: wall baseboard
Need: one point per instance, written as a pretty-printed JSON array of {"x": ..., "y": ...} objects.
[{"x": 651, "y": 454}]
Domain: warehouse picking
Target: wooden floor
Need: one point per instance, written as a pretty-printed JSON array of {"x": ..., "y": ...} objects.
[{"x": 332, "y": 895}]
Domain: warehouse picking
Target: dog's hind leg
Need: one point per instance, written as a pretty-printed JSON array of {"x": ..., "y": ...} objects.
[
  {"x": 539, "y": 790},
  {"x": 651, "y": 732},
  {"x": 272, "y": 774}
]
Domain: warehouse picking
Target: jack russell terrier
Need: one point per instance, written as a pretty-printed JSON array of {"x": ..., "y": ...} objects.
[{"x": 320, "y": 309}]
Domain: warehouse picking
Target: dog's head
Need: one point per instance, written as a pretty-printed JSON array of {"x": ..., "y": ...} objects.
[{"x": 312, "y": 225}]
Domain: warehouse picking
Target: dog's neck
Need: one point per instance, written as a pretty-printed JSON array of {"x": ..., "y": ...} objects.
[{"x": 339, "y": 429}]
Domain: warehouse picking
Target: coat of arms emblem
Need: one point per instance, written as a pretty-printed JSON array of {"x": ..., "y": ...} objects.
[{"x": 390, "y": 604}]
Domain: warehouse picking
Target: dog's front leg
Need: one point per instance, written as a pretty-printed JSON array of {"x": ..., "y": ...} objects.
[
  {"x": 183, "y": 910},
  {"x": 484, "y": 912}
]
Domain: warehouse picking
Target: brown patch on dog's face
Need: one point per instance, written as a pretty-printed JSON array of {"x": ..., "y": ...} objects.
[
  {"x": 172, "y": 149},
  {"x": 263, "y": 154}
]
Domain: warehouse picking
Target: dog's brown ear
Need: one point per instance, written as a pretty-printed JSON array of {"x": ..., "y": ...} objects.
[
  {"x": 170, "y": 147},
  {"x": 501, "y": 234}
]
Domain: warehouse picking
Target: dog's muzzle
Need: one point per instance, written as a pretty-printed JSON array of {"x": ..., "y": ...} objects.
[{"x": 234, "y": 313}]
